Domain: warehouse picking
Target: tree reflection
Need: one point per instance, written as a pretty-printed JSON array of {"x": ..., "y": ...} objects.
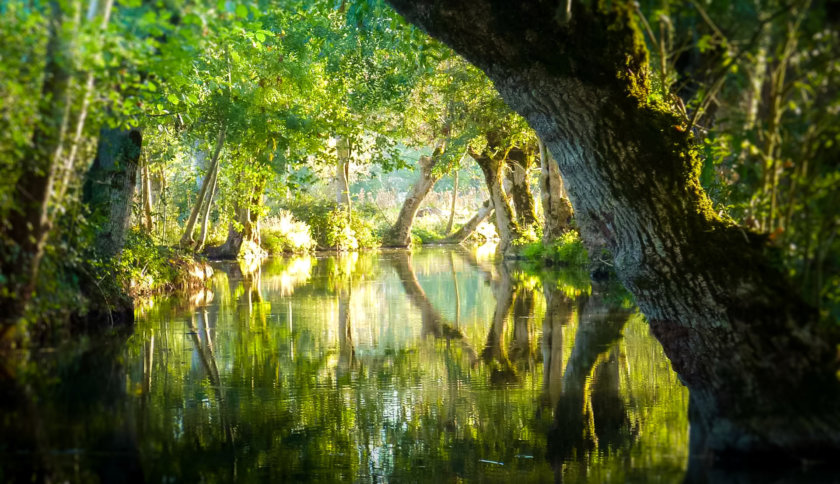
[
  {"x": 356, "y": 371},
  {"x": 589, "y": 412}
]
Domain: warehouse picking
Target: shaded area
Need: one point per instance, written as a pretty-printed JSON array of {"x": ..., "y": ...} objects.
[{"x": 361, "y": 367}]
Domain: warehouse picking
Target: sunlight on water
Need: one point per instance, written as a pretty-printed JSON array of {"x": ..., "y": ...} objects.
[{"x": 385, "y": 367}]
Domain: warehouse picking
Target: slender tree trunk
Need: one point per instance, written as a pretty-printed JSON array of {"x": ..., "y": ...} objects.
[
  {"x": 454, "y": 202},
  {"x": 557, "y": 210},
  {"x": 506, "y": 225},
  {"x": 187, "y": 238},
  {"x": 762, "y": 373},
  {"x": 342, "y": 173},
  {"x": 520, "y": 192},
  {"x": 109, "y": 187},
  {"x": 400, "y": 233},
  {"x": 205, "y": 219},
  {"x": 69, "y": 162},
  {"x": 146, "y": 184},
  {"x": 463, "y": 233}
]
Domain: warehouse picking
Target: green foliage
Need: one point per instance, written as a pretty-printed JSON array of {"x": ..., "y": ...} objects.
[
  {"x": 421, "y": 235},
  {"x": 568, "y": 250},
  {"x": 332, "y": 227},
  {"x": 145, "y": 268},
  {"x": 281, "y": 233}
]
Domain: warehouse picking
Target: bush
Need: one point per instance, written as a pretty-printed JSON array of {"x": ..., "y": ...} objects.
[
  {"x": 567, "y": 250},
  {"x": 282, "y": 233},
  {"x": 330, "y": 228},
  {"x": 144, "y": 268}
]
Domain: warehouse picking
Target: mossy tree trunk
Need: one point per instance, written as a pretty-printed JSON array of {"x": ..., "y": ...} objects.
[
  {"x": 400, "y": 233},
  {"x": 460, "y": 235},
  {"x": 557, "y": 210},
  {"x": 109, "y": 187},
  {"x": 761, "y": 371},
  {"x": 519, "y": 163},
  {"x": 506, "y": 226}
]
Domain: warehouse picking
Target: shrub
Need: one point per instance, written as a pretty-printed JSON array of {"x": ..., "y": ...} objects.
[
  {"x": 282, "y": 233},
  {"x": 567, "y": 250},
  {"x": 330, "y": 228}
]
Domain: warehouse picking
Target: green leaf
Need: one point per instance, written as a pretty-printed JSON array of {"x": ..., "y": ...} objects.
[
  {"x": 241, "y": 11},
  {"x": 173, "y": 99}
]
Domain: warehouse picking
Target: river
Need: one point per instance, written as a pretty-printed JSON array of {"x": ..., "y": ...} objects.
[{"x": 366, "y": 367}]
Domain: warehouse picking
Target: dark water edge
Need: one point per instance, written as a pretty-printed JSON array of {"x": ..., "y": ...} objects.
[{"x": 374, "y": 367}]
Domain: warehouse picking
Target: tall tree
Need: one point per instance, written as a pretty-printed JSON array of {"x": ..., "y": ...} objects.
[
  {"x": 557, "y": 210},
  {"x": 760, "y": 369}
]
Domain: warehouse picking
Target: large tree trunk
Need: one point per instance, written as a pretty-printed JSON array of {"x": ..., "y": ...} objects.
[
  {"x": 760, "y": 370},
  {"x": 400, "y": 233},
  {"x": 506, "y": 226},
  {"x": 520, "y": 191},
  {"x": 557, "y": 210},
  {"x": 460, "y": 235},
  {"x": 109, "y": 187}
]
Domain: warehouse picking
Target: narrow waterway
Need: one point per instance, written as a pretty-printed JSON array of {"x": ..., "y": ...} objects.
[{"x": 369, "y": 367}]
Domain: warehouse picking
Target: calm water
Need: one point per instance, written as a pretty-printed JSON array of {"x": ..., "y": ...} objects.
[{"x": 436, "y": 366}]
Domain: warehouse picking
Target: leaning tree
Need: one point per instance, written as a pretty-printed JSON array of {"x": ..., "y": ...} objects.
[{"x": 760, "y": 369}]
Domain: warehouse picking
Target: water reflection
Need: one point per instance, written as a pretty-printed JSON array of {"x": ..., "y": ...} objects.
[{"x": 369, "y": 367}]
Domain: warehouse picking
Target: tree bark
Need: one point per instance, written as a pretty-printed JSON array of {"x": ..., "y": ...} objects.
[
  {"x": 109, "y": 187},
  {"x": 463, "y": 233},
  {"x": 342, "y": 173},
  {"x": 454, "y": 201},
  {"x": 187, "y": 238},
  {"x": 506, "y": 225},
  {"x": 520, "y": 192},
  {"x": 205, "y": 218},
  {"x": 557, "y": 210},
  {"x": 760, "y": 369},
  {"x": 400, "y": 233},
  {"x": 146, "y": 184}
]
